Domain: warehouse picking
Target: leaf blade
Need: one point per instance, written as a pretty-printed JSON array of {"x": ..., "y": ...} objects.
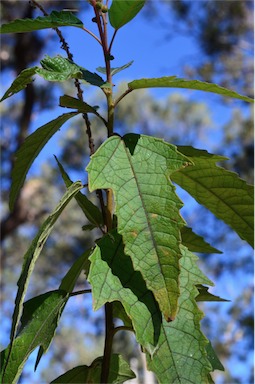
[
  {"x": 136, "y": 168},
  {"x": 23, "y": 79},
  {"x": 30, "y": 149},
  {"x": 32, "y": 255},
  {"x": 54, "y": 20},
  {"x": 174, "y": 82},
  {"x": 222, "y": 192},
  {"x": 121, "y": 12}
]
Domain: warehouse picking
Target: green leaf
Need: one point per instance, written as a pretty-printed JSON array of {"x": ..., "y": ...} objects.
[
  {"x": 174, "y": 82},
  {"x": 67, "y": 285},
  {"x": 54, "y": 20},
  {"x": 30, "y": 149},
  {"x": 137, "y": 168},
  {"x": 33, "y": 253},
  {"x": 72, "y": 102},
  {"x": 91, "y": 211},
  {"x": 120, "y": 313},
  {"x": 204, "y": 295},
  {"x": 38, "y": 323},
  {"x": 58, "y": 69},
  {"x": 181, "y": 355},
  {"x": 113, "y": 278},
  {"x": 24, "y": 78},
  {"x": 115, "y": 70},
  {"x": 69, "y": 281},
  {"x": 119, "y": 372},
  {"x": 196, "y": 243},
  {"x": 226, "y": 195},
  {"x": 121, "y": 12},
  {"x": 214, "y": 360}
]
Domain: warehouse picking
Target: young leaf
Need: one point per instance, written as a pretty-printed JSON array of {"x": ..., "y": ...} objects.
[
  {"x": 72, "y": 102},
  {"x": 54, "y": 20},
  {"x": 181, "y": 355},
  {"x": 58, "y": 69},
  {"x": 30, "y": 149},
  {"x": 204, "y": 295},
  {"x": 226, "y": 195},
  {"x": 137, "y": 169},
  {"x": 196, "y": 243},
  {"x": 119, "y": 372},
  {"x": 113, "y": 278},
  {"x": 174, "y": 82},
  {"x": 92, "y": 213},
  {"x": 38, "y": 323},
  {"x": 33, "y": 253},
  {"x": 115, "y": 70},
  {"x": 24, "y": 78},
  {"x": 121, "y": 12}
]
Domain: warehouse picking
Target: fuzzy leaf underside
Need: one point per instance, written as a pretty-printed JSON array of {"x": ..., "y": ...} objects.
[
  {"x": 222, "y": 192},
  {"x": 32, "y": 255},
  {"x": 54, "y": 20},
  {"x": 176, "y": 350},
  {"x": 121, "y": 12},
  {"x": 91, "y": 211},
  {"x": 137, "y": 168},
  {"x": 38, "y": 323},
  {"x": 181, "y": 355},
  {"x": 113, "y": 278},
  {"x": 175, "y": 82},
  {"x": 30, "y": 149},
  {"x": 196, "y": 243},
  {"x": 119, "y": 372}
]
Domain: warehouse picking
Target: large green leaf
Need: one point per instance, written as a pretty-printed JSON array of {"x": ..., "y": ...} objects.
[
  {"x": 119, "y": 372},
  {"x": 226, "y": 195},
  {"x": 24, "y": 78},
  {"x": 38, "y": 323},
  {"x": 91, "y": 211},
  {"x": 30, "y": 149},
  {"x": 181, "y": 355},
  {"x": 176, "y": 350},
  {"x": 113, "y": 278},
  {"x": 138, "y": 168},
  {"x": 54, "y": 20},
  {"x": 121, "y": 12},
  {"x": 196, "y": 243},
  {"x": 175, "y": 82},
  {"x": 33, "y": 253}
]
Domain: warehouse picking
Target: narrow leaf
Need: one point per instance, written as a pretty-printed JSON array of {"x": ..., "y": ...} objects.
[
  {"x": 32, "y": 255},
  {"x": 30, "y": 149},
  {"x": 226, "y": 195},
  {"x": 196, "y": 243},
  {"x": 72, "y": 102},
  {"x": 115, "y": 70},
  {"x": 137, "y": 169},
  {"x": 23, "y": 79},
  {"x": 67, "y": 285},
  {"x": 113, "y": 278},
  {"x": 119, "y": 372},
  {"x": 174, "y": 82},
  {"x": 91, "y": 211},
  {"x": 69, "y": 281},
  {"x": 204, "y": 295},
  {"x": 38, "y": 323},
  {"x": 214, "y": 360},
  {"x": 54, "y": 20},
  {"x": 181, "y": 355},
  {"x": 121, "y": 12}
]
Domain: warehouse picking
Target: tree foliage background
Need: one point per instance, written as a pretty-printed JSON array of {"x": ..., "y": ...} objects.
[{"x": 222, "y": 33}]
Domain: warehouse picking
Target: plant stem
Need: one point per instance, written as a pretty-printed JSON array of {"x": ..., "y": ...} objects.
[{"x": 109, "y": 333}]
